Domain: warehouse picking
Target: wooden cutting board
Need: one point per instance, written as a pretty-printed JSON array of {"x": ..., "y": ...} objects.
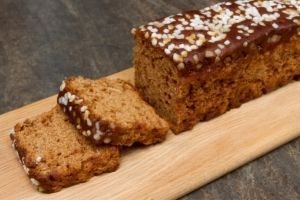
[{"x": 177, "y": 166}]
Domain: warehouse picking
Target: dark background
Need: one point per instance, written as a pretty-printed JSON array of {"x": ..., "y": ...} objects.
[{"x": 43, "y": 41}]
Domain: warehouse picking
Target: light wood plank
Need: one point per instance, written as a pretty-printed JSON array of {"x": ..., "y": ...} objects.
[{"x": 177, "y": 166}]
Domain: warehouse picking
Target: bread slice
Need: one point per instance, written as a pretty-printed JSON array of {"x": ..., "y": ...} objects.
[
  {"x": 110, "y": 111},
  {"x": 54, "y": 155}
]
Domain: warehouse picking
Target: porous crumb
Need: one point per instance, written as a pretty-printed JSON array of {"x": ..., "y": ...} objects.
[{"x": 54, "y": 155}]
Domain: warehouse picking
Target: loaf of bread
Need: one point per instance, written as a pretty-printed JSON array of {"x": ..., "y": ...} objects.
[
  {"x": 54, "y": 155},
  {"x": 110, "y": 112},
  {"x": 198, "y": 64}
]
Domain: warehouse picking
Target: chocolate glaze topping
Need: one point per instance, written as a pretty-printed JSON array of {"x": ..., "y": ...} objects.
[{"x": 197, "y": 38}]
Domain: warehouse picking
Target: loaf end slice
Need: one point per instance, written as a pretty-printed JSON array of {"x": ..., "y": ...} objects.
[
  {"x": 55, "y": 156},
  {"x": 110, "y": 111}
]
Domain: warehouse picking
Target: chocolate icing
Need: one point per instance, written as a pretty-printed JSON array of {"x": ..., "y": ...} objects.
[{"x": 263, "y": 23}]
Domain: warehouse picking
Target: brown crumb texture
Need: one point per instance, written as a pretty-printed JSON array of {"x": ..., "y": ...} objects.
[
  {"x": 187, "y": 99},
  {"x": 55, "y": 156},
  {"x": 110, "y": 111}
]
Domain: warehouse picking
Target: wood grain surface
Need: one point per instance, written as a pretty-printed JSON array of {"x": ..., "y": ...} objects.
[
  {"x": 177, "y": 166},
  {"x": 41, "y": 42}
]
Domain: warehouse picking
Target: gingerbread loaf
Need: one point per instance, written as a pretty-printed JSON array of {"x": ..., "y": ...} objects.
[
  {"x": 55, "y": 156},
  {"x": 198, "y": 64},
  {"x": 110, "y": 111}
]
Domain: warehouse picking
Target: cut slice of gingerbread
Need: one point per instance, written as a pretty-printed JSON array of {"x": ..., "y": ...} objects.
[
  {"x": 55, "y": 156},
  {"x": 110, "y": 112}
]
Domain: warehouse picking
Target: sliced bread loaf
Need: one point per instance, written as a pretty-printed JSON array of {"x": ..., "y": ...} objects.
[
  {"x": 198, "y": 64},
  {"x": 111, "y": 112},
  {"x": 54, "y": 155}
]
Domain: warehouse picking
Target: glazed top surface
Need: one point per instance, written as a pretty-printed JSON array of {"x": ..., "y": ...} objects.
[{"x": 200, "y": 37}]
